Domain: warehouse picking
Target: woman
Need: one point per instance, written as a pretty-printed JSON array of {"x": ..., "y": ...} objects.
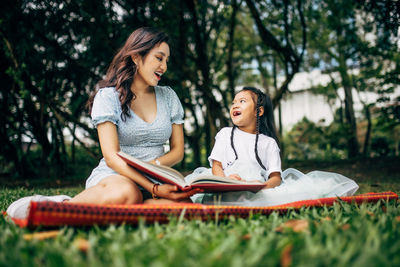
[{"x": 134, "y": 115}]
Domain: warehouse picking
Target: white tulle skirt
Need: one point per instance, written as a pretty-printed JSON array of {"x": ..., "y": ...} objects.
[{"x": 295, "y": 186}]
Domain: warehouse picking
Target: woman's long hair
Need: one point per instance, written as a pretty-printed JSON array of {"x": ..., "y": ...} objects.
[
  {"x": 265, "y": 124},
  {"x": 122, "y": 69}
]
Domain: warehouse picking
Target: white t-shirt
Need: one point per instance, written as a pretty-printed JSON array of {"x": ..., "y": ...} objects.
[{"x": 268, "y": 150}]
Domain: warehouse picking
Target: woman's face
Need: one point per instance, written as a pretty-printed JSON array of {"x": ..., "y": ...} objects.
[
  {"x": 243, "y": 111},
  {"x": 153, "y": 65}
]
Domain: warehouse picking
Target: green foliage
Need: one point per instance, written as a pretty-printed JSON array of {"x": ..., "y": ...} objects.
[
  {"x": 76, "y": 167},
  {"x": 386, "y": 136},
  {"x": 341, "y": 235},
  {"x": 9, "y": 195},
  {"x": 52, "y": 54},
  {"x": 307, "y": 140}
]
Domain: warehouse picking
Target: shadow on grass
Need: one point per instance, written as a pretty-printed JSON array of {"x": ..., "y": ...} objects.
[{"x": 374, "y": 171}]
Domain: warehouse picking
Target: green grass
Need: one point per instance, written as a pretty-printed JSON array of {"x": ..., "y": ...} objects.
[
  {"x": 8, "y": 195},
  {"x": 341, "y": 235}
]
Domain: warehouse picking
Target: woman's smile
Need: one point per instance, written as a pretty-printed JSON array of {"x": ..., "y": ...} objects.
[
  {"x": 152, "y": 67},
  {"x": 158, "y": 74}
]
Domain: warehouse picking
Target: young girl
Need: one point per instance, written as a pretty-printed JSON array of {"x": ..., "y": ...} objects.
[
  {"x": 135, "y": 115},
  {"x": 249, "y": 151}
]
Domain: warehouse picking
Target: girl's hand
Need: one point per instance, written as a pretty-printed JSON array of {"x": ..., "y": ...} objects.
[
  {"x": 235, "y": 177},
  {"x": 273, "y": 181},
  {"x": 172, "y": 192}
]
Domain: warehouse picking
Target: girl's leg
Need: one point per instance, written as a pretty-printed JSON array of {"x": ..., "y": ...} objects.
[{"x": 115, "y": 189}]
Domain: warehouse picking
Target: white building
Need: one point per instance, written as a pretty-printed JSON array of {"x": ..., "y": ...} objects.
[{"x": 300, "y": 102}]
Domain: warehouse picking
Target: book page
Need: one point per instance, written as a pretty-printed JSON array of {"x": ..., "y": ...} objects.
[
  {"x": 168, "y": 171},
  {"x": 159, "y": 172},
  {"x": 221, "y": 180}
]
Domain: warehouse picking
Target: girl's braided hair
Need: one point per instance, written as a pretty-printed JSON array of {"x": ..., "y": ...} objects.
[{"x": 264, "y": 124}]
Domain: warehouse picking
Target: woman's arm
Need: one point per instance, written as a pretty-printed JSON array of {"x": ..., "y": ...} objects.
[
  {"x": 171, "y": 158},
  {"x": 273, "y": 180},
  {"x": 109, "y": 143},
  {"x": 177, "y": 144}
]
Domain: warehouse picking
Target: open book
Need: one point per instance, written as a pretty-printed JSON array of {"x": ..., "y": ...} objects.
[{"x": 208, "y": 183}]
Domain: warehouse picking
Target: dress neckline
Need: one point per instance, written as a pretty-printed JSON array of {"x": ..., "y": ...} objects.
[{"x": 157, "y": 108}]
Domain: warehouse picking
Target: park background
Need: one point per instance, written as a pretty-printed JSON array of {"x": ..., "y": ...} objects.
[{"x": 330, "y": 67}]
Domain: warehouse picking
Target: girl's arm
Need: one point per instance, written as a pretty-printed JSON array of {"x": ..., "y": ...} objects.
[
  {"x": 217, "y": 169},
  {"x": 274, "y": 180},
  {"x": 176, "y": 151}
]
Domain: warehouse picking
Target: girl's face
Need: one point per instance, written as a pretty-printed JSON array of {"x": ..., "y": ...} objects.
[
  {"x": 153, "y": 65},
  {"x": 243, "y": 111}
]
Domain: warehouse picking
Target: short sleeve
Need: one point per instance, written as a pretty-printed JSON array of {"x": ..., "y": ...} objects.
[
  {"x": 175, "y": 106},
  {"x": 274, "y": 159},
  {"x": 218, "y": 151},
  {"x": 105, "y": 106}
]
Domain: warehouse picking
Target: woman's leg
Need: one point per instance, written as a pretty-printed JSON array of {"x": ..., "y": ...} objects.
[
  {"x": 114, "y": 189},
  {"x": 166, "y": 201}
]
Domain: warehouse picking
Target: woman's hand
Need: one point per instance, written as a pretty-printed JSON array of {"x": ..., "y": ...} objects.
[{"x": 172, "y": 192}]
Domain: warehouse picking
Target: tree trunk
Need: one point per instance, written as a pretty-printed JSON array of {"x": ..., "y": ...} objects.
[
  {"x": 229, "y": 62},
  {"x": 349, "y": 109},
  {"x": 73, "y": 144},
  {"x": 213, "y": 108},
  {"x": 368, "y": 132},
  {"x": 285, "y": 52}
]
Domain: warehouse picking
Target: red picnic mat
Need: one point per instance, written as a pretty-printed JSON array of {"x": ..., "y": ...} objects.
[{"x": 50, "y": 214}]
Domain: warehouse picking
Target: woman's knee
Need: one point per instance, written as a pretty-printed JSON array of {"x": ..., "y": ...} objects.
[
  {"x": 120, "y": 191},
  {"x": 186, "y": 200},
  {"x": 130, "y": 194}
]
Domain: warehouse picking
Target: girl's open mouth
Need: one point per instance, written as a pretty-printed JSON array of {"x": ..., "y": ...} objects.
[{"x": 236, "y": 113}]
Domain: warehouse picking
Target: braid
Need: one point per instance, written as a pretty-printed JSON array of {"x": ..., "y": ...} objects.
[
  {"x": 232, "y": 145},
  {"x": 258, "y": 131},
  {"x": 264, "y": 123}
]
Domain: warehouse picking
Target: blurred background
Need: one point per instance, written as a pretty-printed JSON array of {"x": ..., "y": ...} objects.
[{"x": 331, "y": 68}]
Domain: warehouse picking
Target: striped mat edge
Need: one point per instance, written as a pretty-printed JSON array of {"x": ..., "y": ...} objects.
[{"x": 53, "y": 214}]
